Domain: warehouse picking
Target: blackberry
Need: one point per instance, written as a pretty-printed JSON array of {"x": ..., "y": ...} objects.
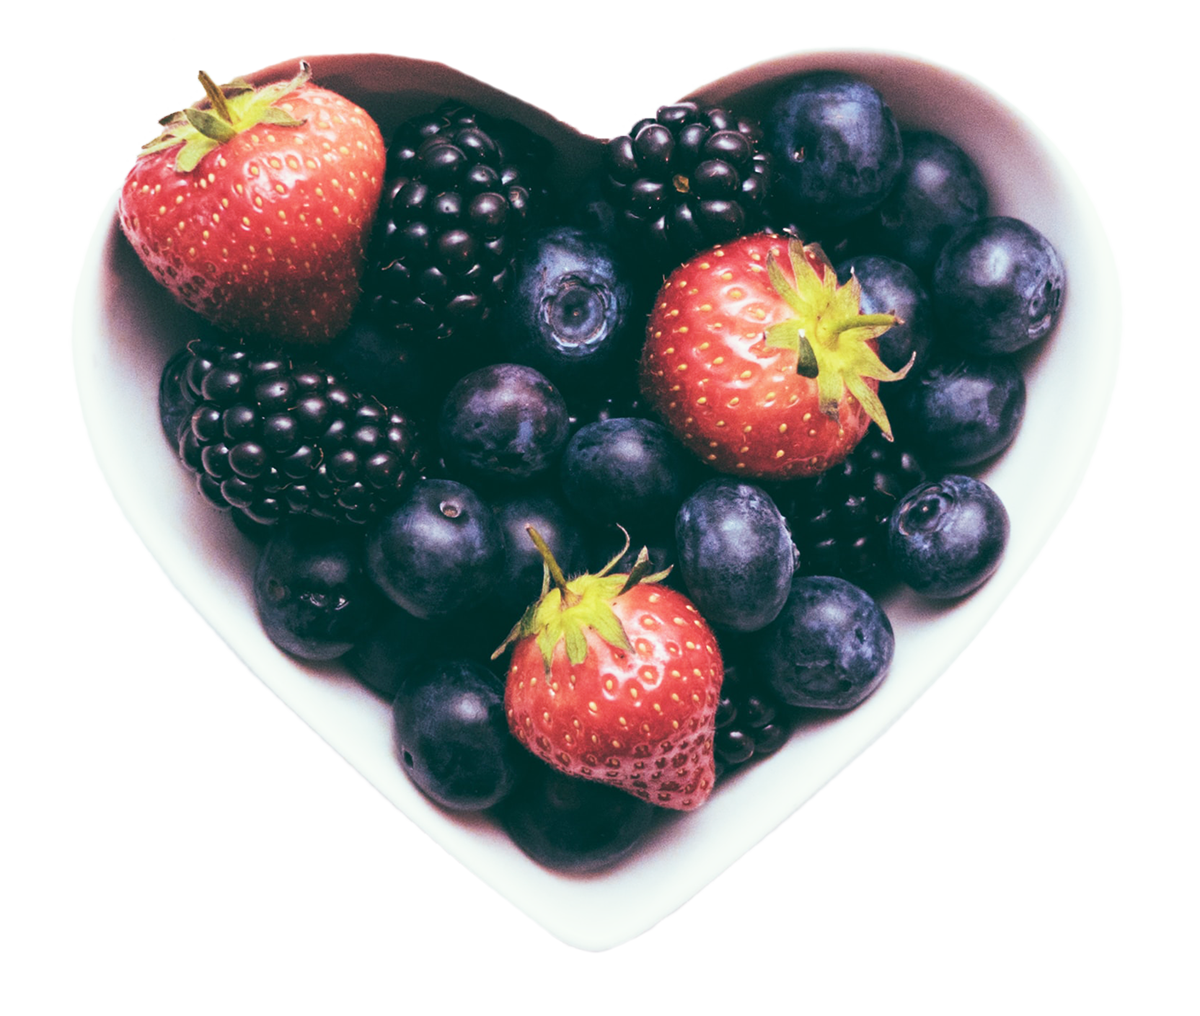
[
  {"x": 270, "y": 437},
  {"x": 460, "y": 191},
  {"x": 686, "y": 180},
  {"x": 751, "y": 720},
  {"x": 839, "y": 518},
  {"x": 175, "y": 401}
]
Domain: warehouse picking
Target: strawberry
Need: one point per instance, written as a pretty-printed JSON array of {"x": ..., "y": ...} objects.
[
  {"x": 254, "y": 208},
  {"x": 616, "y": 679},
  {"x": 761, "y": 363}
]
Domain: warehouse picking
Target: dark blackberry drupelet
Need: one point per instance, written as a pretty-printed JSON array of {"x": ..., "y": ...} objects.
[
  {"x": 460, "y": 191},
  {"x": 176, "y": 403},
  {"x": 687, "y": 179},
  {"x": 751, "y": 720},
  {"x": 839, "y": 518},
  {"x": 271, "y": 437}
]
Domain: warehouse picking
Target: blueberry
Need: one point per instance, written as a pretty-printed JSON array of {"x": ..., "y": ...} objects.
[
  {"x": 573, "y": 825},
  {"x": 505, "y": 422},
  {"x": 440, "y": 551},
  {"x": 829, "y": 648},
  {"x": 571, "y": 310},
  {"x": 625, "y": 470},
  {"x": 606, "y": 542},
  {"x": 452, "y": 734},
  {"x": 997, "y": 287},
  {"x": 946, "y": 538},
  {"x": 964, "y": 410},
  {"x": 523, "y": 564},
  {"x": 736, "y": 554},
  {"x": 313, "y": 596},
  {"x": 835, "y": 145},
  {"x": 890, "y": 287},
  {"x": 397, "y": 372},
  {"x": 938, "y": 190},
  {"x": 387, "y": 654}
]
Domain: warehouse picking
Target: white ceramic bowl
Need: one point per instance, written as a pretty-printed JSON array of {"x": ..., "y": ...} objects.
[{"x": 126, "y": 327}]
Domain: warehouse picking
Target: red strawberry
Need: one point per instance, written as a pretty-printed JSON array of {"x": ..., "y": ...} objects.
[
  {"x": 254, "y": 209},
  {"x": 616, "y": 679},
  {"x": 761, "y": 363}
]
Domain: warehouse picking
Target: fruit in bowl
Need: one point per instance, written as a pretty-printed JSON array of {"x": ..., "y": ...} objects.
[{"x": 471, "y": 353}]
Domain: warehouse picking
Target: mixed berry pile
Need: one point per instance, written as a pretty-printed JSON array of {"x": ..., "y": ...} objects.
[{"x": 601, "y": 489}]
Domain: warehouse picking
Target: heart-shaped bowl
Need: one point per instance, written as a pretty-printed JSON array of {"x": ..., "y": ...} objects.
[{"x": 126, "y": 327}]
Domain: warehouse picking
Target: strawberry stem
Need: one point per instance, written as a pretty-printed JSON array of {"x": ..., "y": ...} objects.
[
  {"x": 216, "y": 97},
  {"x": 569, "y": 596}
]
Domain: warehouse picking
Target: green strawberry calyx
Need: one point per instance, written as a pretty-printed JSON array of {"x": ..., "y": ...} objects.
[
  {"x": 569, "y": 606},
  {"x": 231, "y": 109},
  {"x": 829, "y": 334}
]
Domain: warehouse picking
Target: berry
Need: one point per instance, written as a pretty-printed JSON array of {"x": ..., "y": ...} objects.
[
  {"x": 835, "y": 145},
  {"x": 760, "y": 363},
  {"x": 938, "y": 190},
  {"x": 383, "y": 658},
  {"x": 459, "y": 194},
  {"x": 176, "y": 403},
  {"x": 997, "y": 287},
  {"x": 751, "y": 720},
  {"x": 524, "y": 568},
  {"x": 946, "y": 539},
  {"x": 504, "y": 423},
  {"x": 571, "y": 311},
  {"x": 625, "y": 470},
  {"x": 439, "y": 552},
  {"x": 736, "y": 556},
  {"x": 396, "y": 372},
  {"x": 839, "y": 519},
  {"x": 890, "y": 287},
  {"x": 961, "y": 411},
  {"x": 271, "y": 436},
  {"x": 616, "y": 678},
  {"x": 313, "y": 596},
  {"x": 609, "y": 542},
  {"x": 572, "y": 825},
  {"x": 829, "y": 648},
  {"x": 254, "y": 210},
  {"x": 687, "y": 179},
  {"x": 451, "y": 735}
]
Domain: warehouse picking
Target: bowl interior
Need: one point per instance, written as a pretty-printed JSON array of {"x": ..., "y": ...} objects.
[{"x": 126, "y": 328}]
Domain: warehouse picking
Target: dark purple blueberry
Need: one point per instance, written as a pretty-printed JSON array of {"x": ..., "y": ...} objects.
[
  {"x": 998, "y": 286},
  {"x": 890, "y": 287},
  {"x": 625, "y": 470},
  {"x": 938, "y": 190},
  {"x": 829, "y": 648},
  {"x": 387, "y": 654},
  {"x": 313, "y": 596},
  {"x": 396, "y": 371},
  {"x": 439, "y": 552},
  {"x": 571, "y": 310},
  {"x": 606, "y": 542},
  {"x": 504, "y": 423},
  {"x": 946, "y": 539},
  {"x": 452, "y": 735},
  {"x": 573, "y": 825},
  {"x": 736, "y": 556},
  {"x": 962, "y": 411},
  {"x": 176, "y": 403},
  {"x": 523, "y": 563},
  {"x": 835, "y": 146}
]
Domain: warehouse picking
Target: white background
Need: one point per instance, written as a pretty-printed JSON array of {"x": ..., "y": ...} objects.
[{"x": 204, "y": 817}]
